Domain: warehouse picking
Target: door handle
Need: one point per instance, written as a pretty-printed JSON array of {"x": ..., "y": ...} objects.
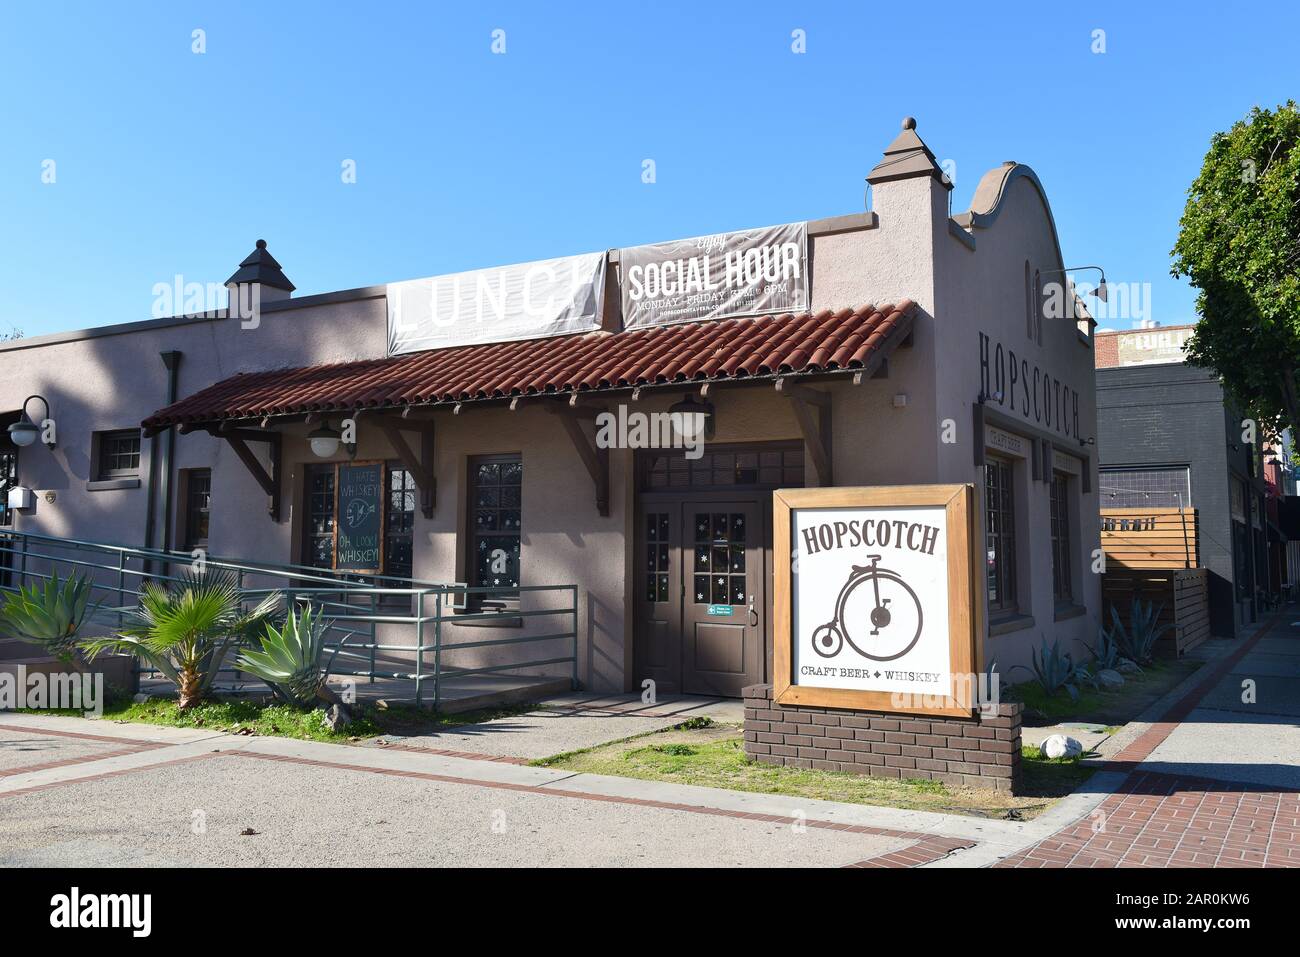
[{"x": 753, "y": 613}]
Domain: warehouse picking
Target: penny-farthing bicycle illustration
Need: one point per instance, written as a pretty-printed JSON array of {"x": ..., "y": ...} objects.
[{"x": 876, "y": 612}]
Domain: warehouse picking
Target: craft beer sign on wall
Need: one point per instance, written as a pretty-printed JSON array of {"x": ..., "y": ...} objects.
[
  {"x": 745, "y": 273},
  {"x": 875, "y": 609}
]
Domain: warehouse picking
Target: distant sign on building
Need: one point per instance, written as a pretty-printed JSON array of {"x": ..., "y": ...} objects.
[{"x": 1157, "y": 344}]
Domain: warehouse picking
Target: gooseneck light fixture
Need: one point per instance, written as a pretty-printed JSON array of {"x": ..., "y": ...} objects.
[
  {"x": 25, "y": 431},
  {"x": 1100, "y": 292}
]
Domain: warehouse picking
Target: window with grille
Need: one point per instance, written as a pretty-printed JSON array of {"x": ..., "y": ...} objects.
[
  {"x": 1162, "y": 487},
  {"x": 656, "y": 559},
  {"x": 1000, "y": 535},
  {"x": 399, "y": 519},
  {"x": 399, "y": 522},
  {"x": 496, "y": 511},
  {"x": 119, "y": 455},
  {"x": 198, "y": 507},
  {"x": 318, "y": 523},
  {"x": 8, "y": 479},
  {"x": 1060, "y": 510},
  {"x": 719, "y": 563}
]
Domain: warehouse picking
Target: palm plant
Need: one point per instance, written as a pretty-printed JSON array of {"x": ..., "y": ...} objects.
[
  {"x": 186, "y": 631},
  {"x": 50, "y": 615},
  {"x": 289, "y": 659}
]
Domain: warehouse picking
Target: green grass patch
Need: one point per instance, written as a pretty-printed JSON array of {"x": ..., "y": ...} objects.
[
  {"x": 247, "y": 716},
  {"x": 714, "y": 756},
  {"x": 1109, "y": 708}
]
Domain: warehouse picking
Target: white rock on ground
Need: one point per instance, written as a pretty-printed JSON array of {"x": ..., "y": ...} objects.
[
  {"x": 1110, "y": 680},
  {"x": 1127, "y": 666},
  {"x": 1061, "y": 746}
]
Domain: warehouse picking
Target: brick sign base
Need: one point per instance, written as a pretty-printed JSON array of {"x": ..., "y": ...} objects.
[{"x": 979, "y": 752}]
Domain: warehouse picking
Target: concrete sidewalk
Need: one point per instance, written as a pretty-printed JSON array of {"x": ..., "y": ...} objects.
[
  {"x": 569, "y": 722},
  {"x": 156, "y": 795}
]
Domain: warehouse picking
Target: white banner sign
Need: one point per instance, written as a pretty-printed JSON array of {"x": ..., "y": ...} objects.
[
  {"x": 746, "y": 273},
  {"x": 525, "y": 301},
  {"x": 870, "y": 610}
]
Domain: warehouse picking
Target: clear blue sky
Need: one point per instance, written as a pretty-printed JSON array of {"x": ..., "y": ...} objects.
[{"x": 171, "y": 162}]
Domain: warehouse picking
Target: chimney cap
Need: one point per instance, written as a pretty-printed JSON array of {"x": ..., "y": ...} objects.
[
  {"x": 907, "y": 157},
  {"x": 260, "y": 266}
]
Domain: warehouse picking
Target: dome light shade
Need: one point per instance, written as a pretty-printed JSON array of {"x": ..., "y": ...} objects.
[
  {"x": 23, "y": 432},
  {"x": 324, "y": 441}
]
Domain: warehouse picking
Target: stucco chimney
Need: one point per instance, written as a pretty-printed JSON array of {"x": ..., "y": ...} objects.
[
  {"x": 261, "y": 270},
  {"x": 907, "y": 183}
]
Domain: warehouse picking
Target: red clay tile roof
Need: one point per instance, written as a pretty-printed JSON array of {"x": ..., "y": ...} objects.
[{"x": 689, "y": 352}]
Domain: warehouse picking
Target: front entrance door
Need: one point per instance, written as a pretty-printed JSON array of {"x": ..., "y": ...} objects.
[{"x": 701, "y": 602}]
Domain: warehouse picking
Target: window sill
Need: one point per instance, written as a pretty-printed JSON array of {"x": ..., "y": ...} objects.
[
  {"x": 108, "y": 485},
  {"x": 1069, "y": 610},
  {"x": 1010, "y": 623}
]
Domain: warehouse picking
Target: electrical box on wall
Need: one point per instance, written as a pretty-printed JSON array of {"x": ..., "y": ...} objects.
[{"x": 21, "y": 497}]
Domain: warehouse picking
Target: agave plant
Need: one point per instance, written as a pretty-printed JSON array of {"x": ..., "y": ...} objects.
[
  {"x": 1138, "y": 640},
  {"x": 51, "y": 615},
  {"x": 186, "y": 630},
  {"x": 289, "y": 659},
  {"x": 1056, "y": 671},
  {"x": 1106, "y": 652}
]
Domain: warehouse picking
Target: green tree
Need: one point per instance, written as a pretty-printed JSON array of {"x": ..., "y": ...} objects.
[{"x": 1239, "y": 245}]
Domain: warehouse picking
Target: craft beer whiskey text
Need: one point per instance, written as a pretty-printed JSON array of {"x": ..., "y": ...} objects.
[{"x": 872, "y": 533}]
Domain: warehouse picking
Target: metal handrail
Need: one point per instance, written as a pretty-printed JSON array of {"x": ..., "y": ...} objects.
[{"x": 357, "y": 601}]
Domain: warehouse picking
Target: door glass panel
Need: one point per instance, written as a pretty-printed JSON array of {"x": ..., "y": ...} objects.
[
  {"x": 656, "y": 556},
  {"x": 719, "y": 558}
]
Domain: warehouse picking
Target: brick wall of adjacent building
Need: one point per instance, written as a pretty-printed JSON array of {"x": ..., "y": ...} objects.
[{"x": 981, "y": 752}]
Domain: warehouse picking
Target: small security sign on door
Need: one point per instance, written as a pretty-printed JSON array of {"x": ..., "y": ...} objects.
[{"x": 875, "y": 607}]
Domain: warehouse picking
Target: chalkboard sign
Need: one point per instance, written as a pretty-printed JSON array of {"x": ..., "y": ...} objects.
[{"x": 359, "y": 517}]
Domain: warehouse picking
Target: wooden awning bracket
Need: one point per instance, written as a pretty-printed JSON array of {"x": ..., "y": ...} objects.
[
  {"x": 421, "y": 467},
  {"x": 269, "y": 482},
  {"x": 594, "y": 458},
  {"x": 816, "y": 428}
]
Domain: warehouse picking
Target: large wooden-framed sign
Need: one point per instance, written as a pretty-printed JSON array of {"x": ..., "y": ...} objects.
[
  {"x": 875, "y": 608},
  {"x": 359, "y": 517}
]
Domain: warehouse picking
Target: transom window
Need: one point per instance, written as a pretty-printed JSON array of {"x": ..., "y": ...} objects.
[
  {"x": 765, "y": 468},
  {"x": 1058, "y": 497},
  {"x": 496, "y": 509},
  {"x": 119, "y": 454},
  {"x": 719, "y": 567},
  {"x": 1000, "y": 534}
]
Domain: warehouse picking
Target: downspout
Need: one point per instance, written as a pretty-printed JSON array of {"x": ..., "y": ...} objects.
[{"x": 172, "y": 360}]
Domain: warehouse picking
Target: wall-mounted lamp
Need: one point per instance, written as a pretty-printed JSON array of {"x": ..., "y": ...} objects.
[
  {"x": 324, "y": 441},
  {"x": 690, "y": 406},
  {"x": 24, "y": 432},
  {"x": 1101, "y": 292}
]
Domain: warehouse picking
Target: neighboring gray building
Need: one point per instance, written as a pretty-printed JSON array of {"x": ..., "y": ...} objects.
[{"x": 1166, "y": 437}]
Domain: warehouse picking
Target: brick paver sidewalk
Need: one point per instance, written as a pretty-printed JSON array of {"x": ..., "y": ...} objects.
[{"x": 1169, "y": 820}]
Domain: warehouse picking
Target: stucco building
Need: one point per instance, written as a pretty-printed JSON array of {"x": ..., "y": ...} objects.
[{"x": 921, "y": 352}]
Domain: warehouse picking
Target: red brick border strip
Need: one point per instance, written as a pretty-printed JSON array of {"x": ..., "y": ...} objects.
[
  {"x": 446, "y": 753},
  {"x": 925, "y": 851},
  {"x": 24, "y": 729}
]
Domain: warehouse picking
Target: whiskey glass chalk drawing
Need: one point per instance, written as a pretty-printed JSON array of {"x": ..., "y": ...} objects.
[{"x": 885, "y": 617}]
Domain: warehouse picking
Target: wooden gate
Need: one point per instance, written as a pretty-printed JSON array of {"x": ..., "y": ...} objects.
[{"x": 1184, "y": 593}]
